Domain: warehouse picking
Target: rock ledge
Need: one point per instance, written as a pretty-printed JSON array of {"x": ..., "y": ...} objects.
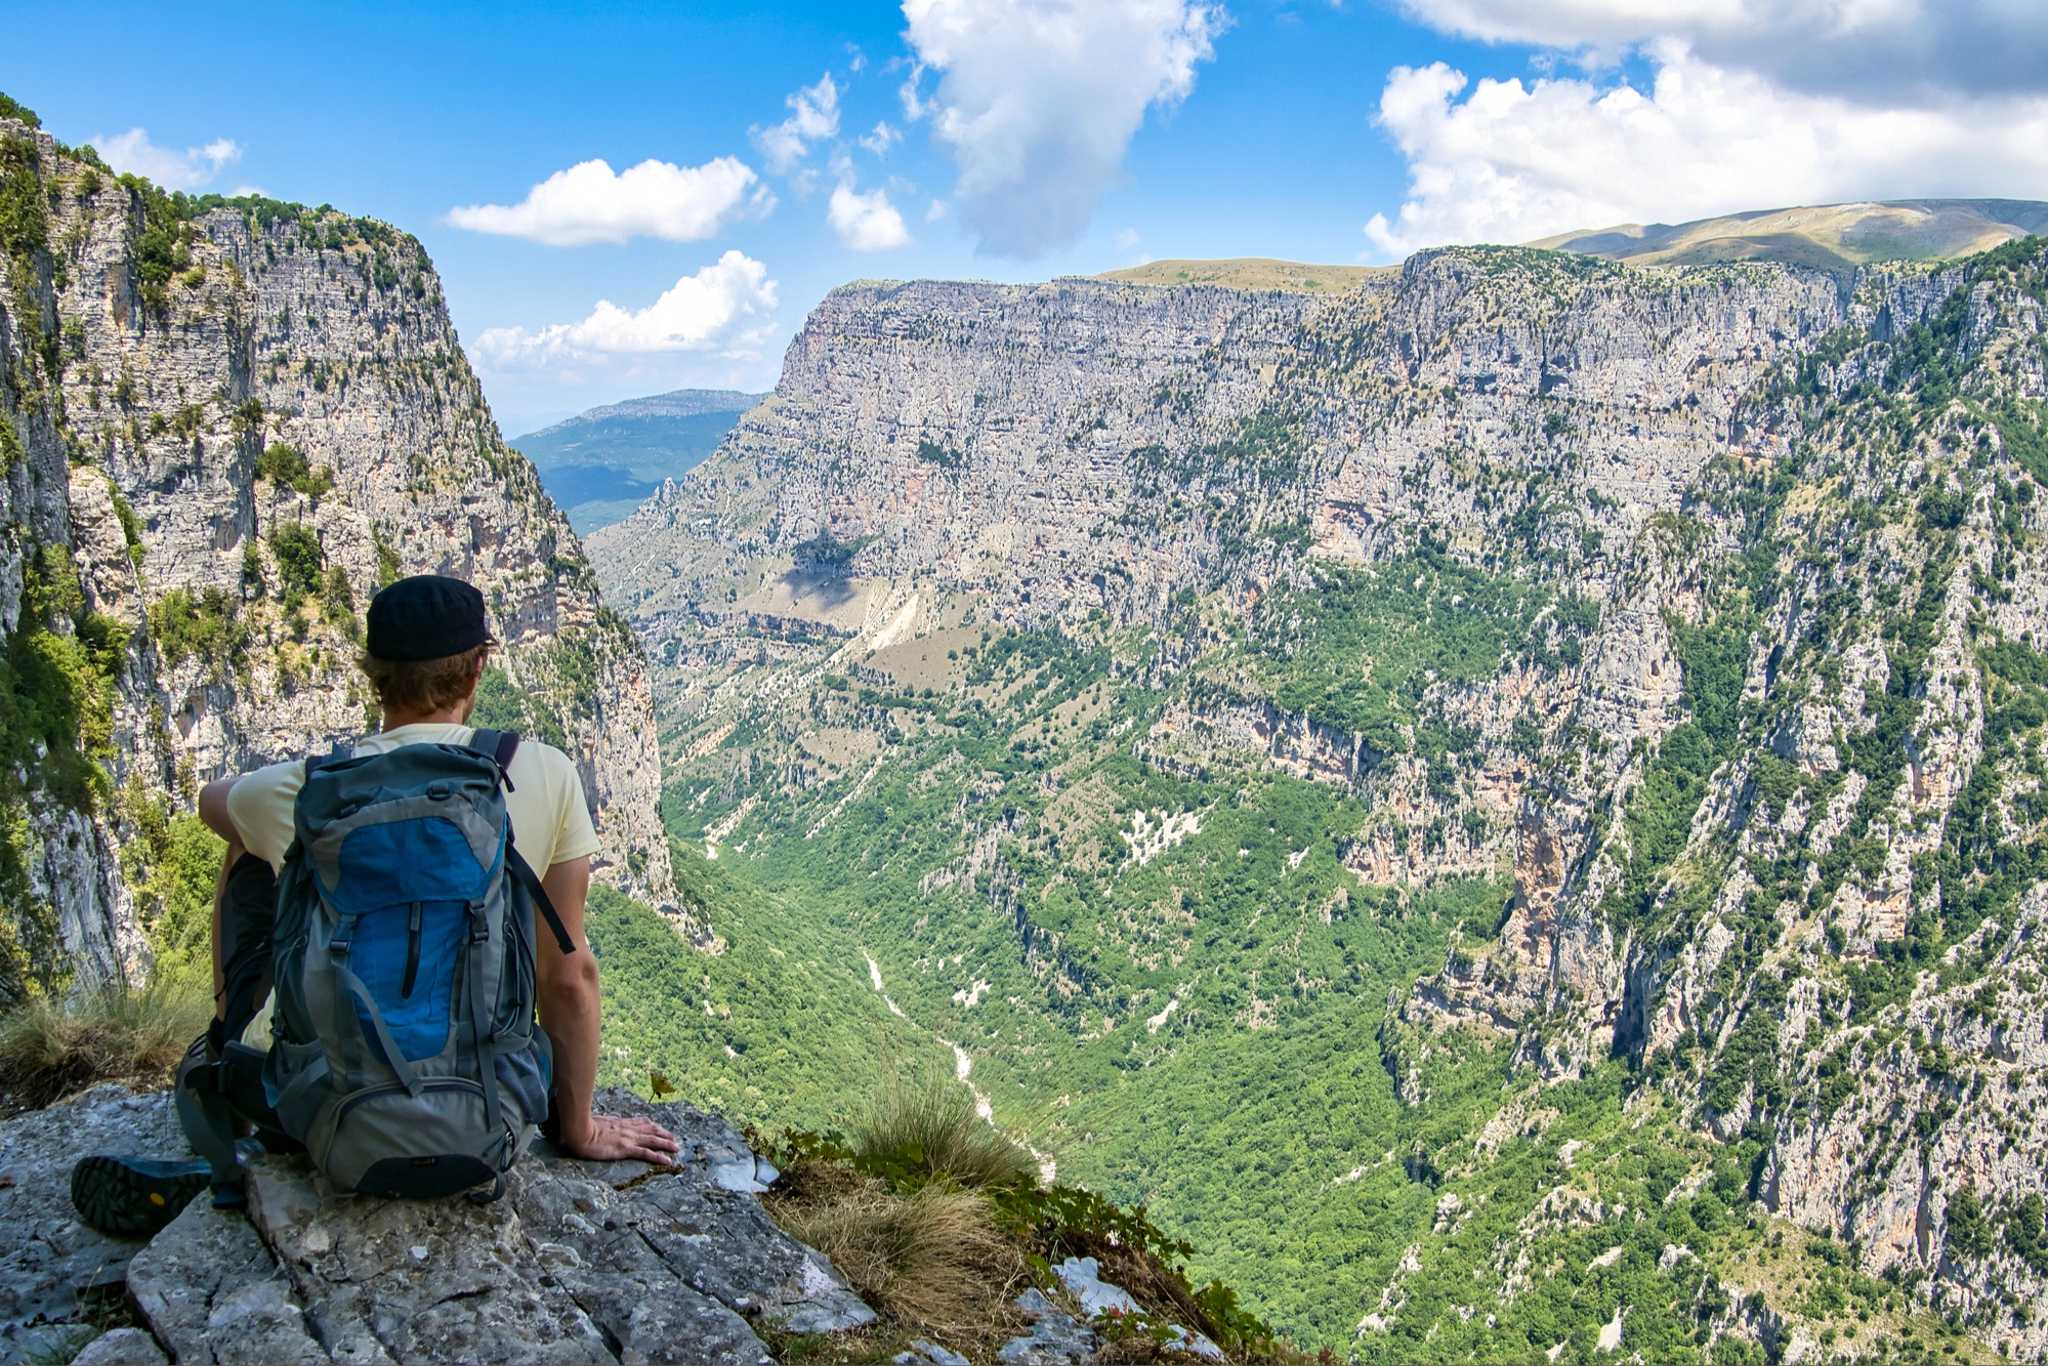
[{"x": 579, "y": 1262}]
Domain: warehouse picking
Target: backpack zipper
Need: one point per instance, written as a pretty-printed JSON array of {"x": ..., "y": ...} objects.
[
  {"x": 412, "y": 951},
  {"x": 321, "y": 1144}
]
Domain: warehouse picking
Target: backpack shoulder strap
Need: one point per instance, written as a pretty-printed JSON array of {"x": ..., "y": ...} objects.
[
  {"x": 518, "y": 867},
  {"x": 498, "y": 746},
  {"x": 340, "y": 754}
]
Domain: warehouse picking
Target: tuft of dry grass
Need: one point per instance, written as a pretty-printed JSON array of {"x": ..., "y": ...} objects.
[
  {"x": 933, "y": 1260},
  {"x": 926, "y": 1126},
  {"x": 51, "y": 1048}
]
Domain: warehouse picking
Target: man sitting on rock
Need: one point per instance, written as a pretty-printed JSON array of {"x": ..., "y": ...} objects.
[{"x": 427, "y": 647}]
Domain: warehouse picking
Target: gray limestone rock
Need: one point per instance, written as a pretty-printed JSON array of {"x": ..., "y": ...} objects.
[
  {"x": 121, "y": 1347},
  {"x": 47, "y": 1257},
  {"x": 212, "y": 1292},
  {"x": 924, "y": 1353},
  {"x": 1082, "y": 1276},
  {"x": 577, "y": 1262},
  {"x": 1055, "y": 1339}
]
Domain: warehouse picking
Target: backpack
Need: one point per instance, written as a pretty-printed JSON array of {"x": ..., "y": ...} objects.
[{"x": 405, "y": 1056}]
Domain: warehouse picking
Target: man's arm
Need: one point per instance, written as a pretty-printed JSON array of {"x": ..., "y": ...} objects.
[
  {"x": 567, "y": 987},
  {"x": 213, "y": 808}
]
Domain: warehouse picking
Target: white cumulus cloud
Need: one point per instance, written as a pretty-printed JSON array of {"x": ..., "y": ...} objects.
[
  {"x": 866, "y": 222},
  {"x": 1038, "y": 99},
  {"x": 813, "y": 115},
  {"x": 1876, "y": 51},
  {"x": 133, "y": 152},
  {"x": 706, "y": 311},
  {"x": 589, "y": 202},
  {"x": 1505, "y": 161}
]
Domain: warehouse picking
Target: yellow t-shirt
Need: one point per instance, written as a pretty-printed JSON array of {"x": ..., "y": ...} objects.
[{"x": 550, "y": 819}]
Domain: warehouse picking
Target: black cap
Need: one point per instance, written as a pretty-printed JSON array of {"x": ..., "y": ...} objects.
[{"x": 428, "y": 616}]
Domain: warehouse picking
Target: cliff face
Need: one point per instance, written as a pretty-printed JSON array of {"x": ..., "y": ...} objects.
[
  {"x": 226, "y": 427},
  {"x": 1695, "y": 610}
]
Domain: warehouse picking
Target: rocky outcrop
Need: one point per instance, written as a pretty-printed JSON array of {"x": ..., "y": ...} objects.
[
  {"x": 229, "y": 425},
  {"x": 579, "y": 1262}
]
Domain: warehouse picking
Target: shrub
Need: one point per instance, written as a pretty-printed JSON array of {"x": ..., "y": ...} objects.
[
  {"x": 131, "y": 524},
  {"x": 49, "y": 1049},
  {"x": 11, "y": 108},
  {"x": 299, "y": 558},
  {"x": 24, "y": 217},
  {"x": 389, "y": 571},
  {"x": 185, "y": 626},
  {"x": 338, "y": 602},
  {"x": 285, "y": 466}
]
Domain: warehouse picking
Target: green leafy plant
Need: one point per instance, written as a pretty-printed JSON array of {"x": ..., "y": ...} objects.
[
  {"x": 296, "y": 548},
  {"x": 285, "y": 466}
]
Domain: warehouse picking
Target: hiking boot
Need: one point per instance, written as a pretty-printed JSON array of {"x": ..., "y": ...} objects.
[{"x": 134, "y": 1197}]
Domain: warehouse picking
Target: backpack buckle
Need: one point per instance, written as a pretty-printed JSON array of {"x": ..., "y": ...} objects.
[
  {"x": 479, "y": 927},
  {"x": 343, "y": 937}
]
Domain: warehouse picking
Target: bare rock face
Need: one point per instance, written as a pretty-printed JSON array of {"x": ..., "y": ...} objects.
[
  {"x": 578, "y": 1262},
  {"x": 224, "y": 428},
  {"x": 53, "y": 1265}
]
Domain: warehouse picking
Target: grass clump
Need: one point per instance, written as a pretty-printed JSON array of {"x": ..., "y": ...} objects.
[
  {"x": 933, "y": 1259},
  {"x": 50, "y": 1048},
  {"x": 925, "y": 1129},
  {"x": 939, "y": 1221}
]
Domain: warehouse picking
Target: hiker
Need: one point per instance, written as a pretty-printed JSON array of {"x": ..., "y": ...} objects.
[{"x": 359, "y": 948}]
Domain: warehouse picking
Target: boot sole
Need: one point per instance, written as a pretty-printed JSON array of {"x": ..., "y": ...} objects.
[{"x": 127, "y": 1197}]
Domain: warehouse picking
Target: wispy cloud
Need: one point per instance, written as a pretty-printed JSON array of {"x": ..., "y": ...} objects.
[
  {"x": 814, "y": 115},
  {"x": 882, "y": 138},
  {"x": 1888, "y": 53},
  {"x": 1039, "y": 101}
]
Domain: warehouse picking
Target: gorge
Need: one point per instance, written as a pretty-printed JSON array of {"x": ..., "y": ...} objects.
[{"x": 1502, "y": 801}]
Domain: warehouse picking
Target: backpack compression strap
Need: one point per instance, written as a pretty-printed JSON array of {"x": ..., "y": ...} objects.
[
  {"x": 517, "y": 866},
  {"x": 500, "y": 746}
]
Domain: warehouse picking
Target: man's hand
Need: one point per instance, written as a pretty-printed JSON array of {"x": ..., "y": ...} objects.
[{"x": 615, "y": 1138}]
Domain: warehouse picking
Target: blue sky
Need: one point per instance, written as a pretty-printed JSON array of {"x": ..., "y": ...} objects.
[{"x": 1037, "y": 138}]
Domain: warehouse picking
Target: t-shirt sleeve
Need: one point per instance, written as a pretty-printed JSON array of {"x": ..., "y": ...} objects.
[
  {"x": 575, "y": 836},
  {"x": 260, "y": 804}
]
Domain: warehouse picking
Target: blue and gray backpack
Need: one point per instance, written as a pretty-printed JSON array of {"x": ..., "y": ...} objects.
[{"x": 405, "y": 1056}]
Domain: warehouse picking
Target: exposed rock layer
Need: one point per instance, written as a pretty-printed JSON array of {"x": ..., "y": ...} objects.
[{"x": 153, "y": 356}]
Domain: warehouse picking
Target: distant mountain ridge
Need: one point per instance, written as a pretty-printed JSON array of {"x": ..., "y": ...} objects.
[
  {"x": 674, "y": 403},
  {"x": 1831, "y": 237},
  {"x": 1824, "y": 236},
  {"x": 599, "y": 464}
]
